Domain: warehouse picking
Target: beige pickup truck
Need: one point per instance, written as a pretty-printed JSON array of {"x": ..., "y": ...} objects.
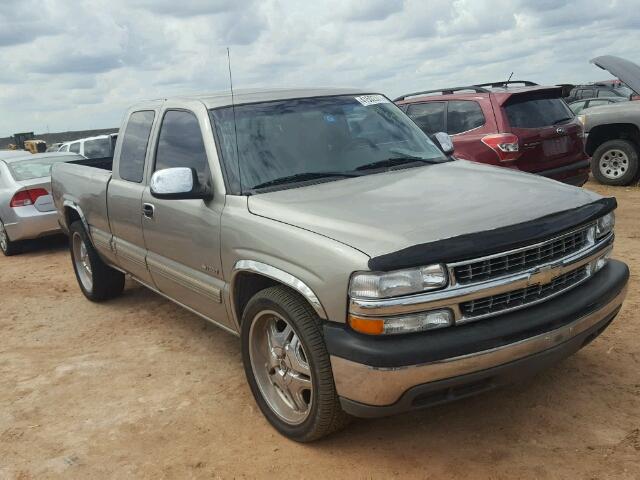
[{"x": 366, "y": 271}]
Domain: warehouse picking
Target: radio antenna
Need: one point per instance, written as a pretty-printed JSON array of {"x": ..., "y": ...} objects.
[
  {"x": 509, "y": 79},
  {"x": 235, "y": 126}
]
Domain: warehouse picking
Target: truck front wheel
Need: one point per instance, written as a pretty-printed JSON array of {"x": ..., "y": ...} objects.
[
  {"x": 615, "y": 162},
  {"x": 287, "y": 365},
  {"x": 97, "y": 280}
]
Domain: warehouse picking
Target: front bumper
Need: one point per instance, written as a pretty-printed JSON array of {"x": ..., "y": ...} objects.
[
  {"x": 377, "y": 376},
  {"x": 29, "y": 223}
]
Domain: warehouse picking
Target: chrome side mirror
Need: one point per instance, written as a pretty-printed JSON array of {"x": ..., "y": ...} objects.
[
  {"x": 178, "y": 183},
  {"x": 445, "y": 142}
]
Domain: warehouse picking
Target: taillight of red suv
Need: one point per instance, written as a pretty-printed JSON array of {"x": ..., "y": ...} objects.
[{"x": 505, "y": 145}]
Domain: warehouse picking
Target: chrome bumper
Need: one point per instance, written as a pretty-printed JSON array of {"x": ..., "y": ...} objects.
[{"x": 384, "y": 386}]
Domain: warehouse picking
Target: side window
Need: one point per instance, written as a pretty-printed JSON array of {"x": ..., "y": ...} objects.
[
  {"x": 577, "y": 107},
  {"x": 180, "y": 144},
  {"x": 64, "y": 148},
  {"x": 428, "y": 116},
  {"x": 75, "y": 147},
  {"x": 463, "y": 115},
  {"x": 595, "y": 103},
  {"x": 607, "y": 93},
  {"x": 589, "y": 93},
  {"x": 134, "y": 146}
]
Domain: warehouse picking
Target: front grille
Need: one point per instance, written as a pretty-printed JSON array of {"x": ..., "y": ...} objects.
[
  {"x": 516, "y": 298},
  {"x": 522, "y": 260}
]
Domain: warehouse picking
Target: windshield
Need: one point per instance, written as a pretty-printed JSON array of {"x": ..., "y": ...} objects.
[
  {"x": 97, "y": 148},
  {"x": 311, "y": 136},
  {"x": 38, "y": 168}
]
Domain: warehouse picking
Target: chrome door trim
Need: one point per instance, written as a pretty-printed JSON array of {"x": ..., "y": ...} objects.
[{"x": 279, "y": 275}]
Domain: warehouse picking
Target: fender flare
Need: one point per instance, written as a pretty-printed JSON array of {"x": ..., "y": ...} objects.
[
  {"x": 279, "y": 275},
  {"x": 74, "y": 206}
]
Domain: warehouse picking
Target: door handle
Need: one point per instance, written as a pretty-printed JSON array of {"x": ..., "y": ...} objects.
[{"x": 148, "y": 209}]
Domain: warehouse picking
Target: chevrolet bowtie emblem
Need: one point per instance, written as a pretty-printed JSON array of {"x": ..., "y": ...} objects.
[{"x": 544, "y": 275}]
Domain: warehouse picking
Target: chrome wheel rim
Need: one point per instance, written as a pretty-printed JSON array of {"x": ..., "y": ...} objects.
[
  {"x": 614, "y": 164},
  {"x": 82, "y": 262},
  {"x": 280, "y": 367},
  {"x": 4, "y": 239}
]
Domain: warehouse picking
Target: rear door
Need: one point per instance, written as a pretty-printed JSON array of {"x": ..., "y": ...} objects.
[
  {"x": 124, "y": 199},
  {"x": 467, "y": 125},
  {"x": 548, "y": 133},
  {"x": 183, "y": 236}
]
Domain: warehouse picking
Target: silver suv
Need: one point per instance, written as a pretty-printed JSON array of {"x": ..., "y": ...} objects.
[{"x": 366, "y": 271}]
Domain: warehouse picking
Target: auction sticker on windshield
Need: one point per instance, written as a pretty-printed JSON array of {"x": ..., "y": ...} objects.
[{"x": 367, "y": 100}]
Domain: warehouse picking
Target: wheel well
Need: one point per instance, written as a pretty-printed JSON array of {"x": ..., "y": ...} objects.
[
  {"x": 614, "y": 131},
  {"x": 71, "y": 215},
  {"x": 246, "y": 285}
]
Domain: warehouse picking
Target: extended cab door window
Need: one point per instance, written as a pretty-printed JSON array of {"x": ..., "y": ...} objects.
[
  {"x": 134, "y": 146},
  {"x": 181, "y": 145},
  {"x": 428, "y": 116}
]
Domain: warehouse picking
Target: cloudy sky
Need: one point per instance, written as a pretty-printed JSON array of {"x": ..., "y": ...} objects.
[{"x": 70, "y": 64}]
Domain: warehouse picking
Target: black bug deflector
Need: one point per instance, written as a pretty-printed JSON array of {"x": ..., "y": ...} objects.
[{"x": 488, "y": 242}]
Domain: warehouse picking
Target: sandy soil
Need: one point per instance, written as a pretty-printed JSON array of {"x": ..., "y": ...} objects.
[{"x": 139, "y": 388}]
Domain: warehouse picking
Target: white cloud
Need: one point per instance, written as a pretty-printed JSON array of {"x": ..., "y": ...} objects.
[{"x": 78, "y": 64}]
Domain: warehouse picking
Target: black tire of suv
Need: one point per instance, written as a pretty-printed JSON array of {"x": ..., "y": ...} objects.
[
  {"x": 326, "y": 415},
  {"x": 629, "y": 149},
  {"x": 107, "y": 283},
  {"x": 9, "y": 248}
]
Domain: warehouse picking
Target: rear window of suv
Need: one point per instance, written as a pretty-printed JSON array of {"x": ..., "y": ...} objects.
[{"x": 537, "y": 112}]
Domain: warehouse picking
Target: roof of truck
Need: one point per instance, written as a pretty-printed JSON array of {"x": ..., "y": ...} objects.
[{"x": 223, "y": 99}]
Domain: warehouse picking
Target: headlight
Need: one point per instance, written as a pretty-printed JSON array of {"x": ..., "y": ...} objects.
[
  {"x": 398, "y": 282},
  {"x": 413, "y": 322},
  {"x": 605, "y": 225},
  {"x": 582, "y": 119}
]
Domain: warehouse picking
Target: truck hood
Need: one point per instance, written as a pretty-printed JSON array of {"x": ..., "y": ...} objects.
[
  {"x": 382, "y": 213},
  {"x": 626, "y": 71}
]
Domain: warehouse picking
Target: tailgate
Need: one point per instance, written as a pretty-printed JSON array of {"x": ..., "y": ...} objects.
[{"x": 548, "y": 133}]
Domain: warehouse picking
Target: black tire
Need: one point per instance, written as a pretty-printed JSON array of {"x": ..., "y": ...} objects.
[
  {"x": 106, "y": 282},
  {"x": 605, "y": 154},
  {"x": 7, "y": 246},
  {"x": 325, "y": 414}
]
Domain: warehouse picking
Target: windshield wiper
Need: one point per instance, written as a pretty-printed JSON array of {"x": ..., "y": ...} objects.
[
  {"x": 395, "y": 161},
  {"x": 301, "y": 177}
]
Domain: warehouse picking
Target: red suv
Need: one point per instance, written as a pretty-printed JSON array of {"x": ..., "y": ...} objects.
[{"x": 527, "y": 127}]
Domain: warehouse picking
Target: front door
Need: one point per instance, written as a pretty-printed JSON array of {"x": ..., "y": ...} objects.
[{"x": 183, "y": 236}]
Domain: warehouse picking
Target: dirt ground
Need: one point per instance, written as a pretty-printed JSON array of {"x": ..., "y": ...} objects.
[{"x": 139, "y": 388}]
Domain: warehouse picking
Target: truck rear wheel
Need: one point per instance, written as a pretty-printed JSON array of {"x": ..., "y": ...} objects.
[
  {"x": 97, "y": 280},
  {"x": 6, "y": 245},
  {"x": 615, "y": 162},
  {"x": 287, "y": 366}
]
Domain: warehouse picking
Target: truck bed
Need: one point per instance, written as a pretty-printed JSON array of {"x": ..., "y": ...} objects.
[{"x": 83, "y": 184}]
